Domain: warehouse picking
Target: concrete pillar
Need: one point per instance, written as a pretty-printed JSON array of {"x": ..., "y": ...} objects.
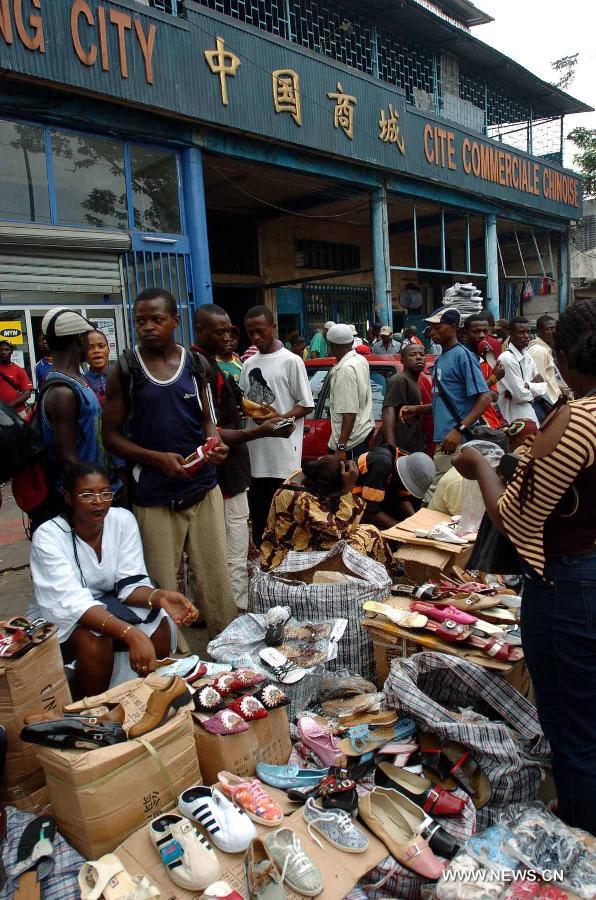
[
  {"x": 564, "y": 272},
  {"x": 196, "y": 224},
  {"x": 380, "y": 253},
  {"x": 492, "y": 267}
]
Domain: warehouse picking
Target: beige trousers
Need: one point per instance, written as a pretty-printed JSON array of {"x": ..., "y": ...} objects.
[
  {"x": 201, "y": 532},
  {"x": 442, "y": 463},
  {"x": 237, "y": 515}
]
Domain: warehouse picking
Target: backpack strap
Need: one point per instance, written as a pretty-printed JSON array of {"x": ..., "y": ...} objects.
[
  {"x": 54, "y": 379},
  {"x": 130, "y": 374}
]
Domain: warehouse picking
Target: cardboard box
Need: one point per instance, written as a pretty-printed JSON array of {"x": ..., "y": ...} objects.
[
  {"x": 267, "y": 740},
  {"x": 34, "y": 682},
  {"x": 340, "y": 871},
  {"x": 37, "y": 802},
  {"x": 102, "y": 796},
  {"x": 387, "y": 636},
  {"x": 424, "y": 559}
]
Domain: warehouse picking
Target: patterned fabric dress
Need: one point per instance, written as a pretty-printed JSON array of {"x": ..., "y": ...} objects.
[{"x": 299, "y": 520}]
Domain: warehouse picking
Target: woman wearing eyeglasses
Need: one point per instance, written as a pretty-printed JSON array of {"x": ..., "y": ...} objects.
[{"x": 89, "y": 578}]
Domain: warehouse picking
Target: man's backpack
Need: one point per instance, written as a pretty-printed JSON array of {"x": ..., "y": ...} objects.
[
  {"x": 23, "y": 456},
  {"x": 20, "y": 443}
]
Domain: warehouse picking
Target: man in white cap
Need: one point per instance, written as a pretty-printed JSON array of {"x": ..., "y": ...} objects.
[
  {"x": 350, "y": 396},
  {"x": 385, "y": 346},
  {"x": 318, "y": 349},
  {"x": 71, "y": 414}
]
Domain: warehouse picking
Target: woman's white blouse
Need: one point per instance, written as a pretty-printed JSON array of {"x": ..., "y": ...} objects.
[{"x": 59, "y": 594}]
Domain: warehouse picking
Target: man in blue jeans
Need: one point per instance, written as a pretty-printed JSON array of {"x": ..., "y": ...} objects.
[
  {"x": 350, "y": 396},
  {"x": 460, "y": 393}
]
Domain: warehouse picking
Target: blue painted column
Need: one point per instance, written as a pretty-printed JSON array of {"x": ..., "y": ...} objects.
[
  {"x": 380, "y": 253},
  {"x": 492, "y": 267},
  {"x": 564, "y": 271},
  {"x": 196, "y": 224}
]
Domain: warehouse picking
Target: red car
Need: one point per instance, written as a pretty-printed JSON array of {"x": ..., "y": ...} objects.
[{"x": 317, "y": 425}]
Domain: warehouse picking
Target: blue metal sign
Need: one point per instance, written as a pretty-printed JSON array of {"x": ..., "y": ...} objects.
[{"x": 210, "y": 69}]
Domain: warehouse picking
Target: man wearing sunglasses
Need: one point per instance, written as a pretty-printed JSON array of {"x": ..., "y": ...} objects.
[{"x": 70, "y": 414}]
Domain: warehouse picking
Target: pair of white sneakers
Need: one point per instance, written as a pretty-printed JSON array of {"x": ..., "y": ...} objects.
[
  {"x": 226, "y": 825},
  {"x": 185, "y": 852}
]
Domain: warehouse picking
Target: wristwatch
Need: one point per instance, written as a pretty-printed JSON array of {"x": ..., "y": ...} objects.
[
  {"x": 462, "y": 428},
  {"x": 342, "y": 447}
]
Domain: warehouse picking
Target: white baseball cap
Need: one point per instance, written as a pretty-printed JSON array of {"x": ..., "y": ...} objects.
[
  {"x": 63, "y": 322},
  {"x": 340, "y": 334}
]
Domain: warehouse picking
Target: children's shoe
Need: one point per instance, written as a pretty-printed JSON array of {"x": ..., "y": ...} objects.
[
  {"x": 228, "y": 827},
  {"x": 248, "y": 794},
  {"x": 271, "y": 696},
  {"x": 298, "y": 870},
  {"x": 188, "y": 857},
  {"x": 336, "y": 826},
  {"x": 248, "y": 708}
]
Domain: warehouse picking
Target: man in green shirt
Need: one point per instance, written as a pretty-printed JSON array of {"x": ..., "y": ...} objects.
[{"x": 318, "y": 348}]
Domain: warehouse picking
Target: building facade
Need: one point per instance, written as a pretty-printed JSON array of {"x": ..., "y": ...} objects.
[{"x": 330, "y": 159}]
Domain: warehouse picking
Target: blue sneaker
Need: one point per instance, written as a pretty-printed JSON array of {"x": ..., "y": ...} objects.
[{"x": 285, "y": 777}]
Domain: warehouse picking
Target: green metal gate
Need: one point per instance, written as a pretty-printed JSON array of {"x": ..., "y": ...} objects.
[{"x": 338, "y": 302}]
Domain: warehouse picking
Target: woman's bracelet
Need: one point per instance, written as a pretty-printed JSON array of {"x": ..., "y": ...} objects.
[
  {"x": 149, "y": 603},
  {"x": 125, "y": 632},
  {"x": 101, "y": 627}
]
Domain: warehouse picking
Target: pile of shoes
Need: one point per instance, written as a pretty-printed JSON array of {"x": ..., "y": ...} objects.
[
  {"x": 466, "y": 298},
  {"x": 19, "y": 634},
  {"x": 80, "y": 727},
  {"x": 228, "y": 703},
  {"x": 461, "y": 612},
  {"x": 525, "y": 849}
]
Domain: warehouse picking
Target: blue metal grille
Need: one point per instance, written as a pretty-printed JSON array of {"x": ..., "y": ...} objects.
[
  {"x": 268, "y": 15},
  {"x": 338, "y": 302},
  {"x": 331, "y": 31},
  {"x": 173, "y": 7},
  {"x": 409, "y": 66},
  {"x": 172, "y": 271}
]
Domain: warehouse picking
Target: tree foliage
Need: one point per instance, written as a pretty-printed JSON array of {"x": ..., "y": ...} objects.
[{"x": 585, "y": 160}]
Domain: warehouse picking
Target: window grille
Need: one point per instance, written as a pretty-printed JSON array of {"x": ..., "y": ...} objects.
[{"x": 325, "y": 255}]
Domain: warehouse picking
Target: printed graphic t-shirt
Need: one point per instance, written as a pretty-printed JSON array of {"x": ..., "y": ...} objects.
[{"x": 280, "y": 380}]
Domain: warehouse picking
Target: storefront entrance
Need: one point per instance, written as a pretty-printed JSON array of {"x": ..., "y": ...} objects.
[{"x": 22, "y": 327}]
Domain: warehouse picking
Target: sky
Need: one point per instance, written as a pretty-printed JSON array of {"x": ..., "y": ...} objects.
[{"x": 536, "y": 32}]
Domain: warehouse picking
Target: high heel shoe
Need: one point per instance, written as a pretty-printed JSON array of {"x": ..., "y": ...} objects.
[{"x": 171, "y": 697}]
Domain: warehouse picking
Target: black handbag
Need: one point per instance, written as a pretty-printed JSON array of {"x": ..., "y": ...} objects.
[{"x": 493, "y": 552}]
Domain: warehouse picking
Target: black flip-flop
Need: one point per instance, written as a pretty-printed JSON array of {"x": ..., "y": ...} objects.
[{"x": 34, "y": 857}]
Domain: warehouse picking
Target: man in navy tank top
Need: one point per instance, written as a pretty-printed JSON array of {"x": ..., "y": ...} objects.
[{"x": 154, "y": 418}]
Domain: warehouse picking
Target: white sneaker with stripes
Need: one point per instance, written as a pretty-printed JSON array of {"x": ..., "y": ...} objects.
[{"x": 228, "y": 827}]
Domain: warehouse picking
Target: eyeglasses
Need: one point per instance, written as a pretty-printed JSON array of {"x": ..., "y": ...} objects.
[{"x": 90, "y": 496}]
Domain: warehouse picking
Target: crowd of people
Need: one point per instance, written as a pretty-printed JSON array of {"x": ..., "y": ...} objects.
[{"x": 194, "y": 455}]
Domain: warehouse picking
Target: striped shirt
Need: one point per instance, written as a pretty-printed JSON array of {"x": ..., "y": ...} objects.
[{"x": 552, "y": 476}]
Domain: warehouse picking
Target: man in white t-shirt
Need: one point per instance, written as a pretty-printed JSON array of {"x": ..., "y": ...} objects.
[
  {"x": 276, "y": 377},
  {"x": 350, "y": 396}
]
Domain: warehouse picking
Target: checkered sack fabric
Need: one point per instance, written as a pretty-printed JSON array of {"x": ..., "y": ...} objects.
[
  {"x": 512, "y": 751},
  {"x": 283, "y": 587}
]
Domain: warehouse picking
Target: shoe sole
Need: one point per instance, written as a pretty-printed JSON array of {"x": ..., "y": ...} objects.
[{"x": 302, "y": 891}]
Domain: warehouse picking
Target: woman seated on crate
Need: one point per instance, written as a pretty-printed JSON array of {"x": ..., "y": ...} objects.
[
  {"x": 314, "y": 509},
  {"x": 89, "y": 578}
]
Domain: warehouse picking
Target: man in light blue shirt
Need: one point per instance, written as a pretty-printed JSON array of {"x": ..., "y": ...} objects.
[
  {"x": 385, "y": 346},
  {"x": 460, "y": 393}
]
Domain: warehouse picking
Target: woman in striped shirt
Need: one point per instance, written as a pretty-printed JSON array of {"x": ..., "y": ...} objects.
[{"x": 547, "y": 511}]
